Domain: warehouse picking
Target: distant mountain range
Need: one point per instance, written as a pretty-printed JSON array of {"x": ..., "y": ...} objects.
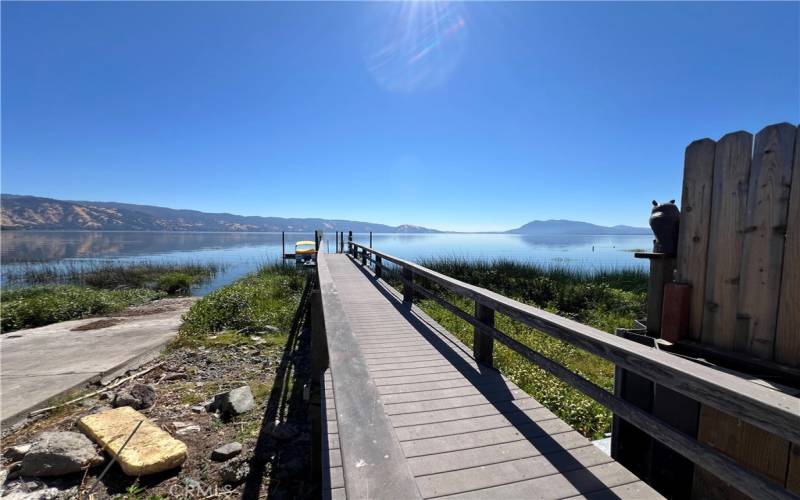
[
  {"x": 561, "y": 226},
  {"x": 33, "y": 212}
]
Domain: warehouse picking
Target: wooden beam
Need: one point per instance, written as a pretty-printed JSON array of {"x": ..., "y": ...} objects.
[
  {"x": 787, "y": 337},
  {"x": 698, "y": 178},
  {"x": 731, "y": 177},
  {"x": 483, "y": 344},
  {"x": 762, "y": 251},
  {"x": 764, "y": 408}
]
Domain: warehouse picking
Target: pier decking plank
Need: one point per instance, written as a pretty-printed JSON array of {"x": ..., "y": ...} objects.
[{"x": 465, "y": 431}]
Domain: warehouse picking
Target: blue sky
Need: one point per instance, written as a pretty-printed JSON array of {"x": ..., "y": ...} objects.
[{"x": 473, "y": 116}]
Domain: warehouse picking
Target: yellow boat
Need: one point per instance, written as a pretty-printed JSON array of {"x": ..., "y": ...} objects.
[{"x": 305, "y": 250}]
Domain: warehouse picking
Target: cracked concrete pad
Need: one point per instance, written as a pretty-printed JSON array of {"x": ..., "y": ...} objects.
[{"x": 150, "y": 450}]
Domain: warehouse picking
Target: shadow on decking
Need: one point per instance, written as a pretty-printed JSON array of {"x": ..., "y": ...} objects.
[
  {"x": 286, "y": 462},
  {"x": 490, "y": 383}
]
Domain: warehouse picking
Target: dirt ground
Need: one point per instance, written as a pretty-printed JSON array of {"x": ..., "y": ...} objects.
[{"x": 276, "y": 435}]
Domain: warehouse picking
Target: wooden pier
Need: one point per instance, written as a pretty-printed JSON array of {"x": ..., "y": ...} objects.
[{"x": 700, "y": 411}]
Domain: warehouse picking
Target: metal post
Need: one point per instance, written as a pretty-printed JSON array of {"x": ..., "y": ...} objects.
[
  {"x": 483, "y": 343},
  {"x": 378, "y": 266},
  {"x": 350, "y": 242},
  {"x": 283, "y": 244},
  {"x": 370, "y": 239},
  {"x": 408, "y": 285}
]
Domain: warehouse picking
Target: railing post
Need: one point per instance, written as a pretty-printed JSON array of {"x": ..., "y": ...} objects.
[
  {"x": 350, "y": 247},
  {"x": 370, "y": 239},
  {"x": 408, "y": 285},
  {"x": 483, "y": 343},
  {"x": 378, "y": 266},
  {"x": 363, "y": 256}
]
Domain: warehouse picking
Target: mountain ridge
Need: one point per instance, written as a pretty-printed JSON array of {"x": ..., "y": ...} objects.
[
  {"x": 34, "y": 212},
  {"x": 21, "y": 212}
]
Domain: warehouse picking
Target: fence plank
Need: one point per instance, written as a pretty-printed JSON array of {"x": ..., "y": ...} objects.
[
  {"x": 748, "y": 445},
  {"x": 698, "y": 174},
  {"x": 787, "y": 337},
  {"x": 762, "y": 250},
  {"x": 731, "y": 175}
]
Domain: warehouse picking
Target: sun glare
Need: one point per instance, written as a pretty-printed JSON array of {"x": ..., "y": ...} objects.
[{"x": 416, "y": 45}]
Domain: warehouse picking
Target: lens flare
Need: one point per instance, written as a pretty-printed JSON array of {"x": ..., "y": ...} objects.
[{"x": 415, "y": 45}]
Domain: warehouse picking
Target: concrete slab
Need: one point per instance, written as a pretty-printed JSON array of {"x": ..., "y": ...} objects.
[{"x": 39, "y": 364}]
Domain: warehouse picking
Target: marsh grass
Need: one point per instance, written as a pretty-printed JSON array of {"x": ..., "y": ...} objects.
[
  {"x": 171, "y": 277},
  {"x": 605, "y": 299}
]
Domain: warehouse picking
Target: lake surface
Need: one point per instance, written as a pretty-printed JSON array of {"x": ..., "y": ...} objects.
[{"x": 242, "y": 253}]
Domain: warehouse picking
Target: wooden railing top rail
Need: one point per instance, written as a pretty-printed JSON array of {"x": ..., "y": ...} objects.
[{"x": 768, "y": 409}]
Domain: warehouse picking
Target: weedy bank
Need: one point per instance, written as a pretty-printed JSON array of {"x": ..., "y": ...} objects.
[
  {"x": 605, "y": 299},
  {"x": 41, "y": 294}
]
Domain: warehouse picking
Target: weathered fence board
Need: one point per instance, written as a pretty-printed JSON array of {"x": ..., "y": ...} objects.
[
  {"x": 762, "y": 252},
  {"x": 698, "y": 175},
  {"x": 787, "y": 337},
  {"x": 731, "y": 176}
]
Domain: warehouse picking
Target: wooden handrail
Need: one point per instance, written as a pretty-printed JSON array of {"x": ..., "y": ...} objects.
[{"x": 768, "y": 409}]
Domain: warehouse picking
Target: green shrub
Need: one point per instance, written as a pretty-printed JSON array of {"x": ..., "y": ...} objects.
[
  {"x": 175, "y": 283},
  {"x": 41, "y": 305},
  {"x": 267, "y": 298}
]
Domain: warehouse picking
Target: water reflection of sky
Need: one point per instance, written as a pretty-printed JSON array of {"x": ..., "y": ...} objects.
[{"x": 242, "y": 253}]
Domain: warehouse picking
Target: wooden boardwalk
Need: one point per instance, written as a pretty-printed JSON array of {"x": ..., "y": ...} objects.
[{"x": 408, "y": 413}]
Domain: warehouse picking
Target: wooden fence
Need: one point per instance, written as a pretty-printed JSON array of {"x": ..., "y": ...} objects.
[
  {"x": 739, "y": 243},
  {"x": 739, "y": 250}
]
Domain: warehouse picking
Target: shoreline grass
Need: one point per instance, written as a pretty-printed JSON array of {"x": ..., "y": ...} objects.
[
  {"x": 606, "y": 300},
  {"x": 42, "y": 305},
  {"x": 53, "y": 293},
  {"x": 262, "y": 302},
  {"x": 112, "y": 274}
]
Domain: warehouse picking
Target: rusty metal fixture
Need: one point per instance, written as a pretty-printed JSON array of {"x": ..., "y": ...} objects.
[{"x": 664, "y": 221}]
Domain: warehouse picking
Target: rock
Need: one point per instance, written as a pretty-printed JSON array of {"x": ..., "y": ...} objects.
[
  {"x": 138, "y": 397},
  {"x": 31, "y": 485},
  {"x": 150, "y": 450},
  {"x": 234, "y": 471},
  {"x": 234, "y": 402},
  {"x": 226, "y": 451},
  {"x": 199, "y": 409},
  {"x": 15, "y": 453},
  {"x": 3, "y": 477},
  {"x": 187, "y": 430},
  {"x": 59, "y": 453},
  {"x": 13, "y": 471}
]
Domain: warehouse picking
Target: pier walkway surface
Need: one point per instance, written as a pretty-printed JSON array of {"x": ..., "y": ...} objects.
[{"x": 408, "y": 413}]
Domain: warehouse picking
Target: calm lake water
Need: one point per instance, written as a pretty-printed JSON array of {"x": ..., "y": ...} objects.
[{"x": 242, "y": 253}]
